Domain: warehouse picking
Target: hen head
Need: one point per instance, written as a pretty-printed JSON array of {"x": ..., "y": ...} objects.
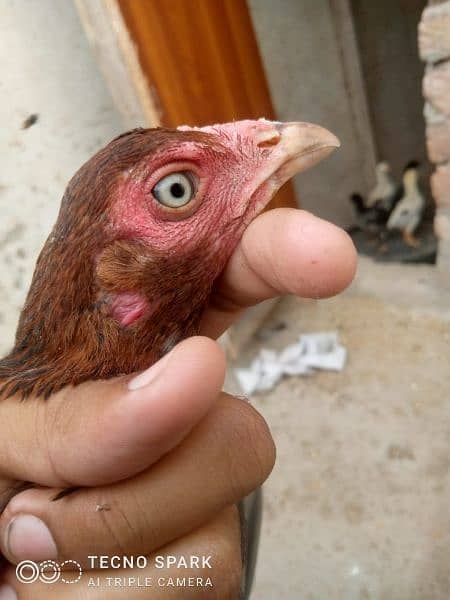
[{"x": 145, "y": 228}]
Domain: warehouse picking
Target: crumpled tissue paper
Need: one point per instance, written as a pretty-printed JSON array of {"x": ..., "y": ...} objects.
[{"x": 319, "y": 350}]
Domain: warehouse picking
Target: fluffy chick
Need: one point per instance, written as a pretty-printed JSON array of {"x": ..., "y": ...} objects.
[
  {"x": 407, "y": 214},
  {"x": 371, "y": 220},
  {"x": 385, "y": 193}
]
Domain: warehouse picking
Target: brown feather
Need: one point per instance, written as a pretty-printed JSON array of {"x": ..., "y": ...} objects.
[{"x": 65, "y": 334}]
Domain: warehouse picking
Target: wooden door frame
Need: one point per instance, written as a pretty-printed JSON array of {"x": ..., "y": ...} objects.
[{"x": 179, "y": 62}]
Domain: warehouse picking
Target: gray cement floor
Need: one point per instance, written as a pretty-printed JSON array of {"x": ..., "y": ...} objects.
[{"x": 358, "y": 505}]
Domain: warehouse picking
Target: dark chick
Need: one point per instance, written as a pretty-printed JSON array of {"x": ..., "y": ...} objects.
[
  {"x": 371, "y": 220},
  {"x": 145, "y": 228}
]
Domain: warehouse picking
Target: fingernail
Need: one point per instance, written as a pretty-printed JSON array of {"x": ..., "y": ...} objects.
[
  {"x": 147, "y": 377},
  {"x": 7, "y": 593},
  {"x": 27, "y": 537}
]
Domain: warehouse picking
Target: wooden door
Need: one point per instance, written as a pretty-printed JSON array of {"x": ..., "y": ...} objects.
[{"x": 201, "y": 59}]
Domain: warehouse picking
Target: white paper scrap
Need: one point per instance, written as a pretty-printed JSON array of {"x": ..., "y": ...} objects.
[{"x": 312, "y": 351}]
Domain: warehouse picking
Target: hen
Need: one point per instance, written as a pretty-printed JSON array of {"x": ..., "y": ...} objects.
[{"x": 145, "y": 228}]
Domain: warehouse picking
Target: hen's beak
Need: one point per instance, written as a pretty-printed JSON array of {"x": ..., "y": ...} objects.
[
  {"x": 293, "y": 147},
  {"x": 300, "y": 146},
  {"x": 289, "y": 148}
]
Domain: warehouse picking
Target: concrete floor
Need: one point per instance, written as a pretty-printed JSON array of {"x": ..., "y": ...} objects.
[{"x": 358, "y": 506}]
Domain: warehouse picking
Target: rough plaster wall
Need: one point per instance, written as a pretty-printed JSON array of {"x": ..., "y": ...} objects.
[
  {"x": 387, "y": 36},
  {"x": 434, "y": 43},
  {"x": 48, "y": 69},
  {"x": 298, "y": 44}
]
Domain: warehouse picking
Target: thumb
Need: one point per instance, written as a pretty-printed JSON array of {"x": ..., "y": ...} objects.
[{"x": 104, "y": 431}]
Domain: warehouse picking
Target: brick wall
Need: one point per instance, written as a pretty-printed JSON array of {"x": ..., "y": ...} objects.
[{"x": 434, "y": 46}]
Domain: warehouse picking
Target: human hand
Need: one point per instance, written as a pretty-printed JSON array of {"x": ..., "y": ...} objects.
[{"x": 283, "y": 251}]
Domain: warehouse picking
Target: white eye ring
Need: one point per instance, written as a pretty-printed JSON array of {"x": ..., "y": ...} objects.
[{"x": 174, "y": 190}]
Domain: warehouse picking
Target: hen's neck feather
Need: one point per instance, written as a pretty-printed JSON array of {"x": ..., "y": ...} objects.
[{"x": 66, "y": 334}]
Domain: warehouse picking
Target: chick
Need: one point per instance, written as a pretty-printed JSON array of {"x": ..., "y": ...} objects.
[
  {"x": 407, "y": 214},
  {"x": 385, "y": 194},
  {"x": 370, "y": 220}
]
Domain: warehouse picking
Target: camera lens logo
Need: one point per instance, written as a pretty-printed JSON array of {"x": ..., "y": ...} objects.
[
  {"x": 49, "y": 571},
  {"x": 27, "y": 571}
]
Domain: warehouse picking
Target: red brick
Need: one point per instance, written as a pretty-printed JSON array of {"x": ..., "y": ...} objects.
[
  {"x": 442, "y": 225},
  {"x": 440, "y": 185},
  {"x": 438, "y": 142},
  {"x": 436, "y": 87},
  {"x": 434, "y": 33}
]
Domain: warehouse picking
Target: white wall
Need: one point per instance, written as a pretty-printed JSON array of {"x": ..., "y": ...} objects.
[{"x": 46, "y": 68}]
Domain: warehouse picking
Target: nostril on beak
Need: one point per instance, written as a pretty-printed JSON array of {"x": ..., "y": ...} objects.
[{"x": 268, "y": 139}]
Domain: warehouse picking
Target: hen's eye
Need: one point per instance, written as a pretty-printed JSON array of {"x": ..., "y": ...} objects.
[{"x": 175, "y": 190}]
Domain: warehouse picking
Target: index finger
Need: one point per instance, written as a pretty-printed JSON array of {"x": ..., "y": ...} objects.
[{"x": 283, "y": 251}]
